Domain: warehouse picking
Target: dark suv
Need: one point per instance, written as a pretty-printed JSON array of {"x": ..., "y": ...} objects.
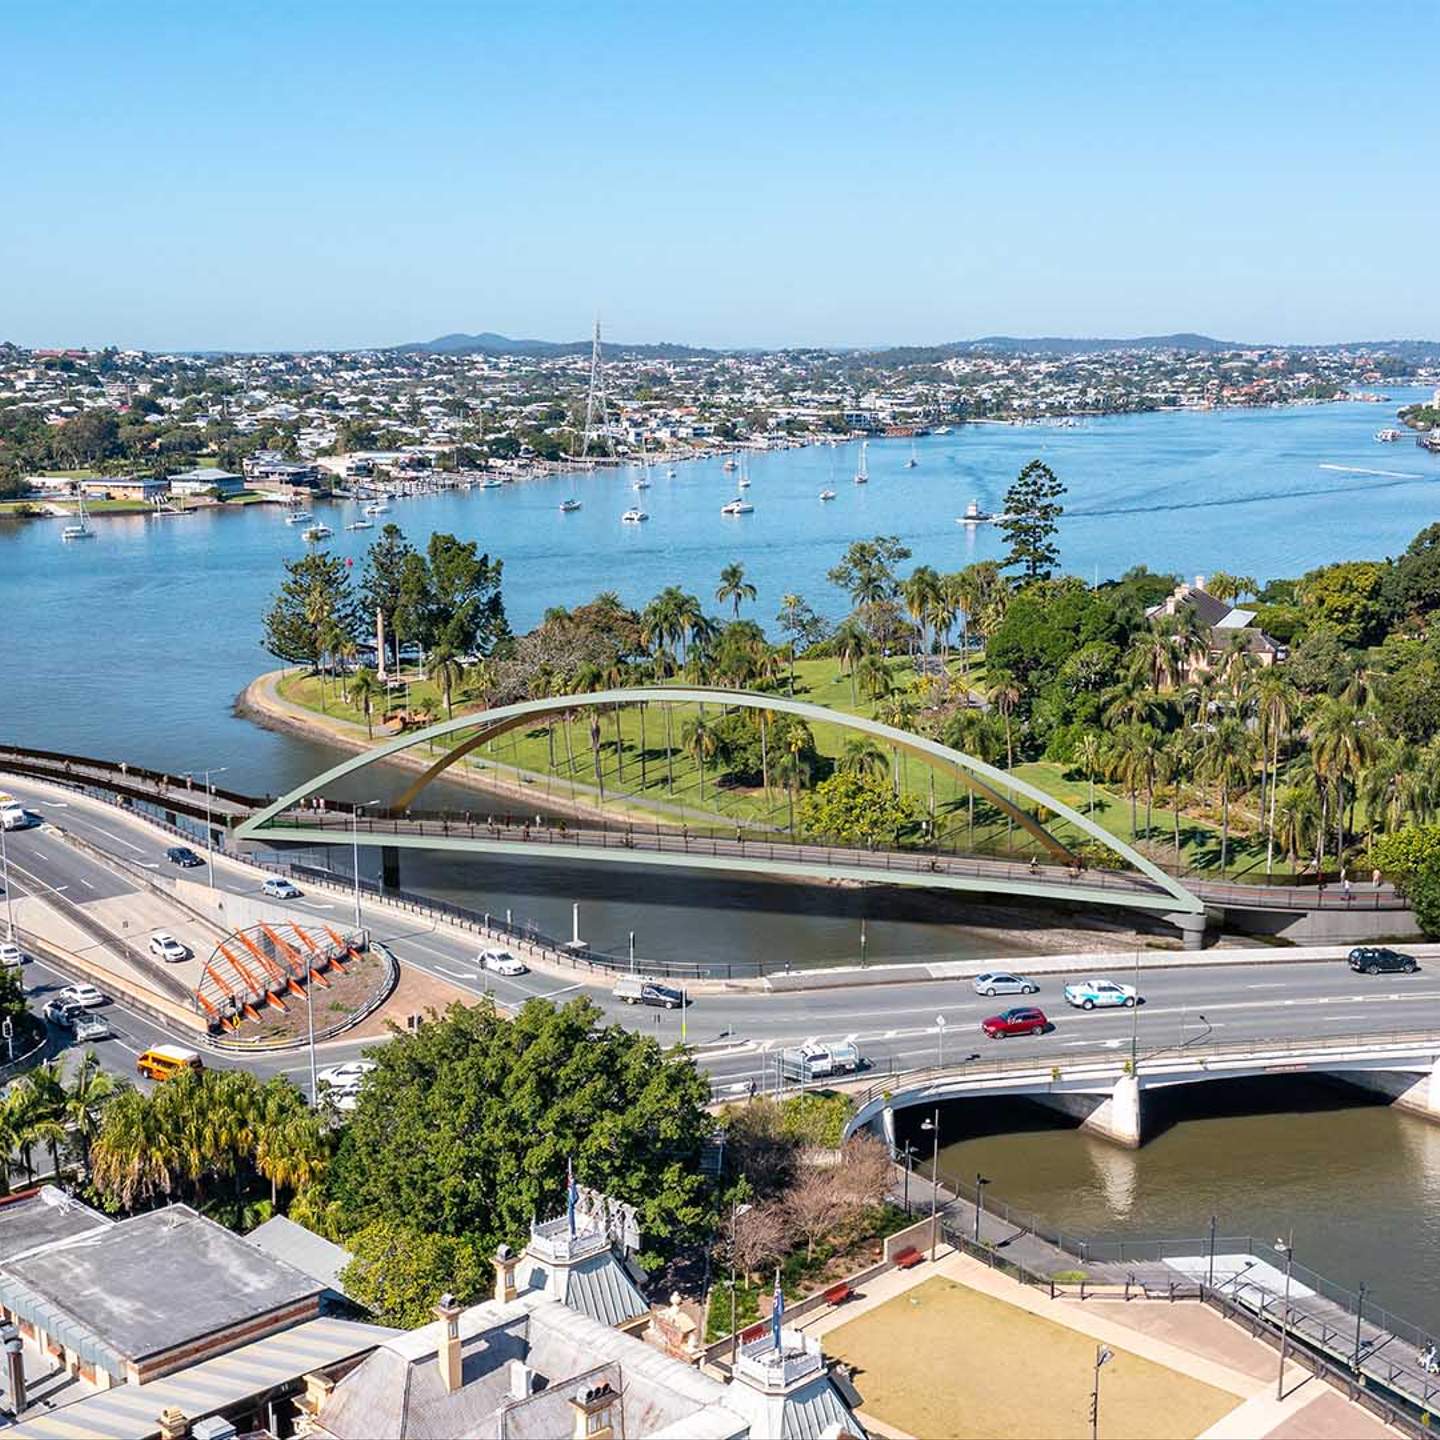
[
  {"x": 1375, "y": 959},
  {"x": 184, "y": 856}
]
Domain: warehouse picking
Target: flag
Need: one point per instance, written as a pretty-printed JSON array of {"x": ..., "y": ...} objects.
[
  {"x": 571, "y": 1193},
  {"x": 777, "y": 1310}
]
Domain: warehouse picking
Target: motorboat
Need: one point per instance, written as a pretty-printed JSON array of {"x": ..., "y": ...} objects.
[
  {"x": 376, "y": 507},
  {"x": 641, "y": 484},
  {"x": 361, "y": 525},
  {"x": 670, "y": 473},
  {"x": 827, "y": 494},
  {"x": 743, "y": 482},
  {"x": 317, "y": 532},
  {"x": 737, "y": 506},
  {"x": 913, "y": 461},
  {"x": 862, "y": 475},
  {"x": 974, "y": 515},
  {"x": 942, "y": 430},
  {"x": 634, "y": 515},
  {"x": 731, "y": 464},
  {"x": 299, "y": 517},
  {"x": 1388, "y": 437},
  {"x": 568, "y": 507},
  {"x": 491, "y": 484}
]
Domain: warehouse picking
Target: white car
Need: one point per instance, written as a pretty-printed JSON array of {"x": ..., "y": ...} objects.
[
  {"x": 1088, "y": 994},
  {"x": 277, "y": 887},
  {"x": 12, "y": 957},
  {"x": 346, "y": 1076},
  {"x": 87, "y": 997},
  {"x": 1003, "y": 982},
  {"x": 502, "y": 962},
  {"x": 167, "y": 947}
]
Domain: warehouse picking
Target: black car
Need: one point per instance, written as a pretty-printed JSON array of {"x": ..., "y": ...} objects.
[
  {"x": 183, "y": 855},
  {"x": 1375, "y": 959}
]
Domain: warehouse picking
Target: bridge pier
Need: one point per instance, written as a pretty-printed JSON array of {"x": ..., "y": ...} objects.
[
  {"x": 1420, "y": 1095},
  {"x": 887, "y": 1125},
  {"x": 389, "y": 867},
  {"x": 1117, "y": 1117},
  {"x": 1192, "y": 928}
]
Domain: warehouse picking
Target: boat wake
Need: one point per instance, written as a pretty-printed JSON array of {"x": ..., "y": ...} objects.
[
  {"x": 1259, "y": 497},
  {"x": 1388, "y": 474}
]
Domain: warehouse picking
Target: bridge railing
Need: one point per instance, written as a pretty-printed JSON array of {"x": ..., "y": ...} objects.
[{"x": 1117, "y": 1060}]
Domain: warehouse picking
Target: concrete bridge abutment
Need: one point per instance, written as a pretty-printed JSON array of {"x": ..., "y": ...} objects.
[{"x": 1417, "y": 1093}]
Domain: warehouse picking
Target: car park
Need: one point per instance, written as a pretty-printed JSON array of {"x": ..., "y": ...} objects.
[
  {"x": 164, "y": 945},
  {"x": 183, "y": 856},
  {"x": 12, "y": 957},
  {"x": 346, "y": 1076},
  {"x": 1002, "y": 982},
  {"x": 635, "y": 990},
  {"x": 86, "y": 996},
  {"x": 1096, "y": 994},
  {"x": 277, "y": 887},
  {"x": 502, "y": 962},
  {"x": 1380, "y": 959},
  {"x": 1021, "y": 1020}
]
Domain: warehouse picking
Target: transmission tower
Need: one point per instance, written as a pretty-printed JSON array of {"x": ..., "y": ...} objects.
[{"x": 597, "y": 415}]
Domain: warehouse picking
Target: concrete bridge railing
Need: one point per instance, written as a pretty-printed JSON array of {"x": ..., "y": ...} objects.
[{"x": 1105, "y": 1090}]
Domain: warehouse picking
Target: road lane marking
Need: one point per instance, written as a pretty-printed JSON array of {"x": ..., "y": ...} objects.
[{"x": 136, "y": 848}]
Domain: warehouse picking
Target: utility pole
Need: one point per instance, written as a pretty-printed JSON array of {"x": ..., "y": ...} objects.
[
  {"x": 934, "y": 1125},
  {"x": 1102, "y": 1357},
  {"x": 1287, "y": 1248}
]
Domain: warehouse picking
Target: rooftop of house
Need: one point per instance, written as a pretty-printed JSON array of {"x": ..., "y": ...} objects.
[
  {"x": 34, "y": 1218},
  {"x": 520, "y": 1364},
  {"x": 126, "y": 1292},
  {"x": 313, "y": 1255}
]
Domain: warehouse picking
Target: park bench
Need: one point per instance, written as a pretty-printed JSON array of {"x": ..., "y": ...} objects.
[
  {"x": 838, "y": 1294},
  {"x": 908, "y": 1258}
]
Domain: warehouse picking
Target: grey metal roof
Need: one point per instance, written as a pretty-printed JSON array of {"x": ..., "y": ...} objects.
[
  {"x": 308, "y": 1252},
  {"x": 41, "y": 1217},
  {"x": 132, "y": 1412},
  {"x": 598, "y": 1286},
  {"x": 157, "y": 1281}
]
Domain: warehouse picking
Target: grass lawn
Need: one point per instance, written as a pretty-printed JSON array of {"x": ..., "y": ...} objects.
[
  {"x": 943, "y": 1361},
  {"x": 674, "y": 788}
]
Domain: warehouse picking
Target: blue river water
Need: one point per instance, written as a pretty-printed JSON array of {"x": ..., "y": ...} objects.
[{"x": 134, "y": 645}]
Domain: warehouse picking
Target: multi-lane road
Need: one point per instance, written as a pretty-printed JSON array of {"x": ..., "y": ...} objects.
[{"x": 738, "y": 1032}]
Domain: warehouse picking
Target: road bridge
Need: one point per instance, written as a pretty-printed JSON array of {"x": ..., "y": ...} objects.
[{"x": 1105, "y": 1090}]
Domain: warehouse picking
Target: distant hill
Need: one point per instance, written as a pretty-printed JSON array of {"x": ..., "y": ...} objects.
[{"x": 489, "y": 343}]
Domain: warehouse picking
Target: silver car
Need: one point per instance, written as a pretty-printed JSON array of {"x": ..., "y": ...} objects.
[{"x": 1002, "y": 982}]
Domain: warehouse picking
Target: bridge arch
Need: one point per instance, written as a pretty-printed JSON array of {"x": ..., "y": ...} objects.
[{"x": 1154, "y": 888}]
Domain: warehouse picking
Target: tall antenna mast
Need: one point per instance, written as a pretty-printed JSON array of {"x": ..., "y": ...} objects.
[{"x": 595, "y": 407}]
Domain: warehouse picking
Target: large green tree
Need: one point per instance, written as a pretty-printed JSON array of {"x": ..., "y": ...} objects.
[
  {"x": 466, "y": 1126},
  {"x": 316, "y": 602},
  {"x": 380, "y": 588},
  {"x": 1031, "y": 521},
  {"x": 851, "y": 808}
]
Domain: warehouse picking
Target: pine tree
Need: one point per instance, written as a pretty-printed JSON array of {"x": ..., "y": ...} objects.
[{"x": 1032, "y": 514}]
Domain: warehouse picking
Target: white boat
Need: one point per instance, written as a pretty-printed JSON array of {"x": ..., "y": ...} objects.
[
  {"x": 1388, "y": 437},
  {"x": 974, "y": 515},
  {"x": 862, "y": 475},
  {"x": 670, "y": 473},
  {"x": 743, "y": 482},
  {"x": 737, "y": 506},
  {"x": 912, "y": 462},
  {"x": 317, "y": 532},
  {"x": 361, "y": 525},
  {"x": 634, "y": 515},
  {"x": 491, "y": 484},
  {"x": 942, "y": 429},
  {"x": 731, "y": 464},
  {"x": 568, "y": 507},
  {"x": 641, "y": 484},
  {"x": 376, "y": 507},
  {"x": 299, "y": 517},
  {"x": 79, "y": 528},
  {"x": 827, "y": 494}
]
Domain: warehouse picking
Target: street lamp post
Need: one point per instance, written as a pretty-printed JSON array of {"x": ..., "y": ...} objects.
[
  {"x": 1210, "y": 1268},
  {"x": 1287, "y": 1248},
  {"x": 5, "y": 876},
  {"x": 980, "y": 1183},
  {"x": 1135, "y": 1022},
  {"x": 209, "y": 830},
  {"x": 939, "y": 1042},
  {"x": 909, "y": 1153},
  {"x": 355, "y": 853},
  {"x": 934, "y": 1125},
  {"x": 1359, "y": 1315},
  {"x": 1102, "y": 1357}
]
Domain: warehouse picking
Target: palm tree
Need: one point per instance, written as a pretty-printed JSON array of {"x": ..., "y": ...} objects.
[
  {"x": 133, "y": 1157},
  {"x": 798, "y": 745},
  {"x": 872, "y": 674},
  {"x": 443, "y": 667},
  {"x": 1275, "y": 700},
  {"x": 1292, "y": 821},
  {"x": 919, "y": 591},
  {"x": 790, "y": 604},
  {"x": 363, "y": 692},
  {"x": 852, "y": 643},
  {"x": 1341, "y": 744},
  {"x": 734, "y": 587},
  {"x": 1003, "y": 692},
  {"x": 701, "y": 742},
  {"x": 1125, "y": 762},
  {"x": 1226, "y": 755},
  {"x": 90, "y": 1089},
  {"x": 862, "y": 757},
  {"x": 1089, "y": 755},
  {"x": 13, "y": 1125}
]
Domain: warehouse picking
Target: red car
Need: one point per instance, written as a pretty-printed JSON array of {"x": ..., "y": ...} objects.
[{"x": 1022, "y": 1020}]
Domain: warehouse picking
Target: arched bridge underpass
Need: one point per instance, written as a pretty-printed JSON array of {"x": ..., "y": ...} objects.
[
  {"x": 638, "y": 815},
  {"x": 1105, "y": 1091}
]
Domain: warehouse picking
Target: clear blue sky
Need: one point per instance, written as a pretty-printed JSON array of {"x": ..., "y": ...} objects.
[{"x": 319, "y": 174}]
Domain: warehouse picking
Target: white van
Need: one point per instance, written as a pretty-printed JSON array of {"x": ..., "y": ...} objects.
[{"x": 13, "y": 816}]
